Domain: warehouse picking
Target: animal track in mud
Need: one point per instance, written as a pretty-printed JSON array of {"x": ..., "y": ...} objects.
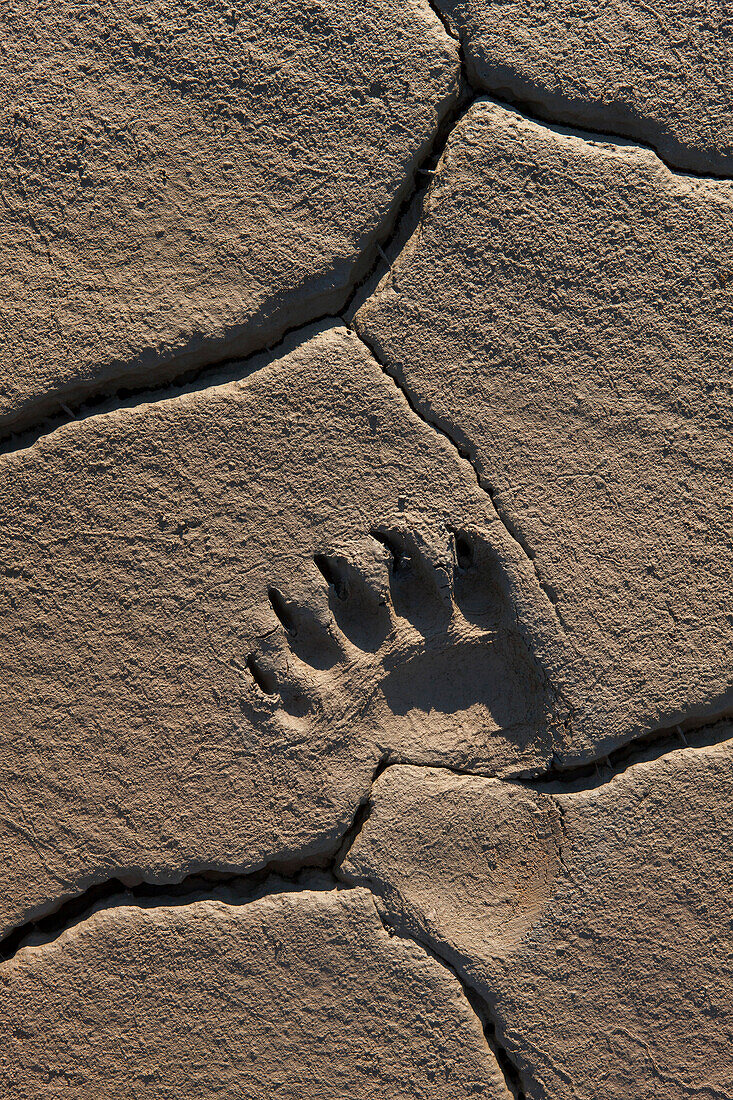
[{"x": 412, "y": 640}]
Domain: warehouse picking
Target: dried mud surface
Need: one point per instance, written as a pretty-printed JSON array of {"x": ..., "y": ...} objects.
[
  {"x": 366, "y": 612},
  {"x": 659, "y": 73},
  {"x": 183, "y": 184}
]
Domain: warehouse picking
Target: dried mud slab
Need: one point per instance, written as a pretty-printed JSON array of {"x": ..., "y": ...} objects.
[
  {"x": 182, "y": 186},
  {"x": 222, "y": 610},
  {"x": 660, "y": 73},
  {"x": 596, "y": 924},
  {"x": 468, "y": 862},
  {"x": 303, "y": 996},
  {"x": 564, "y": 310}
]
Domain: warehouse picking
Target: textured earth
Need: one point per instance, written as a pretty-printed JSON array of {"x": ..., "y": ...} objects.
[{"x": 366, "y": 475}]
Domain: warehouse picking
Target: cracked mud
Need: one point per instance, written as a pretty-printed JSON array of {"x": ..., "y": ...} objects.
[{"x": 367, "y": 539}]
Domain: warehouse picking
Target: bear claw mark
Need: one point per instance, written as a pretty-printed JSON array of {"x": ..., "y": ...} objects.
[
  {"x": 264, "y": 680},
  {"x": 411, "y": 642},
  {"x": 331, "y": 576},
  {"x": 282, "y": 611}
]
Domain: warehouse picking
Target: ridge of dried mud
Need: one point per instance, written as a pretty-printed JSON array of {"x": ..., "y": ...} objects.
[
  {"x": 237, "y": 890},
  {"x": 323, "y": 875},
  {"x": 398, "y": 225}
]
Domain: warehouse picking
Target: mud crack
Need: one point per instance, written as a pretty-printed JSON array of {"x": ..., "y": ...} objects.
[{"x": 467, "y": 454}]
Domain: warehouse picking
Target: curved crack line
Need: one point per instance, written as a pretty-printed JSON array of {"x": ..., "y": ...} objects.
[
  {"x": 218, "y": 372},
  {"x": 25, "y": 431},
  {"x": 466, "y": 452},
  {"x": 324, "y": 874},
  {"x": 233, "y": 888},
  {"x": 510, "y": 1071},
  {"x": 288, "y": 874},
  {"x": 240, "y": 890},
  {"x": 690, "y": 734},
  {"x": 114, "y": 390},
  {"x": 107, "y": 397},
  {"x": 555, "y": 779},
  {"x": 533, "y": 99}
]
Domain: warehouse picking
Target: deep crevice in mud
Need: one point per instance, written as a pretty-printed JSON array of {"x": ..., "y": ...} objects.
[
  {"x": 317, "y": 872},
  {"x": 535, "y": 110},
  {"x": 410, "y": 209},
  {"x": 322, "y": 871},
  {"x": 231, "y": 890},
  {"x": 112, "y": 394},
  {"x": 323, "y": 874},
  {"x": 243, "y": 889},
  {"x": 447, "y": 25},
  {"x": 234, "y": 889},
  {"x": 363, "y": 810},
  {"x": 215, "y": 373},
  {"x": 512, "y": 1076},
  {"x": 556, "y": 111},
  {"x": 510, "y": 1072},
  {"x": 694, "y": 733}
]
